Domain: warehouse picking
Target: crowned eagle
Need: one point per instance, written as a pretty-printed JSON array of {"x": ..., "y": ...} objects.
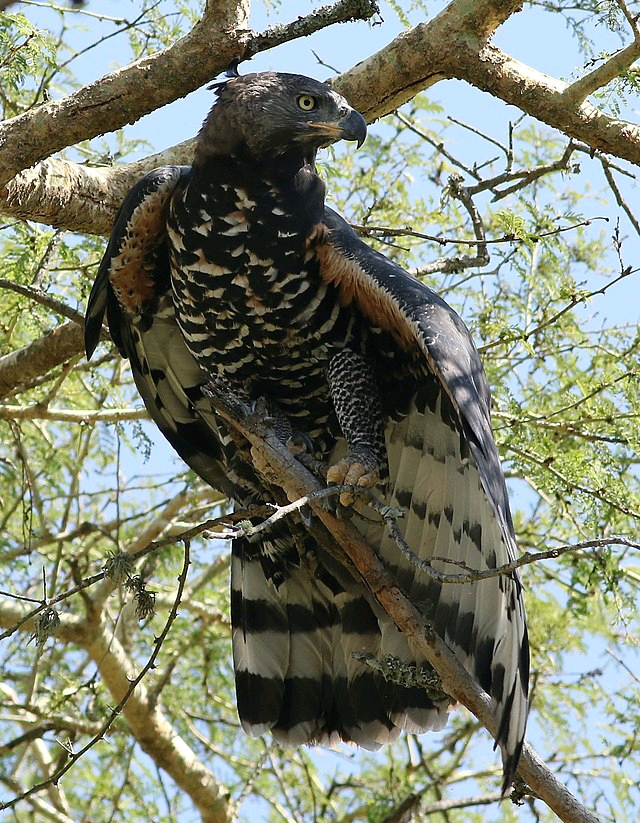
[{"x": 235, "y": 269}]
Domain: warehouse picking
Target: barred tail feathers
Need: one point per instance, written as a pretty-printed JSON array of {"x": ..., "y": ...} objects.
[{"x": 298, "y": 639}]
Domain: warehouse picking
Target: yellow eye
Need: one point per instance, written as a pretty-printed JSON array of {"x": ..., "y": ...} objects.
[{"x": 307, "y": 102}]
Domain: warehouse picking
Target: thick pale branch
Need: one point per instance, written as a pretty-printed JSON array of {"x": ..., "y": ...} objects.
[
  {"x": 453, "y": 44},
  {"x": 127, "y": 94},
  {"x": 417, "y": 59},
  {"x": 546, "y": 99},
  {"x": 24, "y": 365},
  {"x": 81, "y": 198},
  {"x": 155, "y": 734}
]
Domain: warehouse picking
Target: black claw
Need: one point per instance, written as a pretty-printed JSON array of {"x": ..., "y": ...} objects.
[{"x": 300, "y": 444}]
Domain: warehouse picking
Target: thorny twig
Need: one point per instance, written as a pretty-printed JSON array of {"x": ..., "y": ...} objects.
[
  {"x": 207, "y": 527},
  {"x": 407, "y": 231}
]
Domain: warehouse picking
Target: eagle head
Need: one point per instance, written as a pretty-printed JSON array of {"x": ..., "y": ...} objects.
[{"x": 272, "y": 113}]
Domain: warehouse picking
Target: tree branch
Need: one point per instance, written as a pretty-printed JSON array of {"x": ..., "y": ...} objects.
[
  {"x": 53, "y": 349},
  {"x": 79, "y": 416},
  {"x": 147, "y": 722},
  {"x": 127, "y": 94},
  {"x": 343, "y": 11},
  {"x": 419, "y": 58},
  {"x": 547, "y": 99},
  {"x": 578, "y": 91},
  {"x": 271, "y": 457},
  {"x": 453, "y": 44},
  {"x": 122, "y": 96}
]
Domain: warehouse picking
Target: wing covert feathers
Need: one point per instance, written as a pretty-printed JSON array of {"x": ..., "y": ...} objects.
[
  {"x": 127, "y": 278},
  {"x": 132, "y": 287}
]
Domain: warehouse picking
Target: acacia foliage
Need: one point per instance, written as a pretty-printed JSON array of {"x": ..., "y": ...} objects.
[{"x": 84, "y": 477}]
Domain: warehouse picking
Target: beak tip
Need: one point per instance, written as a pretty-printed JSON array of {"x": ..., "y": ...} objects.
[{"x": 354, "y": 127}]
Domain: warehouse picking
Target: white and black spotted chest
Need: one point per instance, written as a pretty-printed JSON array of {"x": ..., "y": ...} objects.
[{"x": 246, "y": 283}]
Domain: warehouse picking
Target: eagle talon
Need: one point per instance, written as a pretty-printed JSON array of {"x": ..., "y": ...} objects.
[
  {"x": 301, "y": 446},
  {"x": 353, "y": 470}
]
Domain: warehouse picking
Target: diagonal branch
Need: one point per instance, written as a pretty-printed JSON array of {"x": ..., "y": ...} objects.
[
  {"x": 455, "y": 44},
  {"x": 419, "y": 58},
  {"x": 547, "y": 99},
  {"x": 53, "y": 349},
  {"x": 616, "y": 65},
  {"x": 127, "y": 94},
  {"x": 145, "y": 718},
  {"x": 272, "y": 458}
]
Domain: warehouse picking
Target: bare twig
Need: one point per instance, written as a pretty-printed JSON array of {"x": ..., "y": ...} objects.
[
  {"x": 150, "y": 664},
  {"x": 219, "y": 528},
  {"x": 74, "y": 7},
  {"x": 463, "y": 803},
  {"x": 608, "y": 173},
  {"x": 526, "y": 559},
  {"x": 438, "y": 145},
  {"x": 459, "y": 192},
  {"x": 407, "y": 231},
  {"x": 523, "y": 177}
]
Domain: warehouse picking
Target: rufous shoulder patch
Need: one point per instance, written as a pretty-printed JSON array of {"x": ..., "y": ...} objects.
[
  {"x": 131, "y": 272},
  {"x": 354, "y": 285}
]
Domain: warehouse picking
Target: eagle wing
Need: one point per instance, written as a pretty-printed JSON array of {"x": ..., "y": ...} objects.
[
  {"x": 133, "y": 288},
  {"x": 445, "y": 472}
]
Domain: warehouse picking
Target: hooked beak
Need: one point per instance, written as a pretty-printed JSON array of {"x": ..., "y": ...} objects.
[{"x": 352, "y": 126}]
